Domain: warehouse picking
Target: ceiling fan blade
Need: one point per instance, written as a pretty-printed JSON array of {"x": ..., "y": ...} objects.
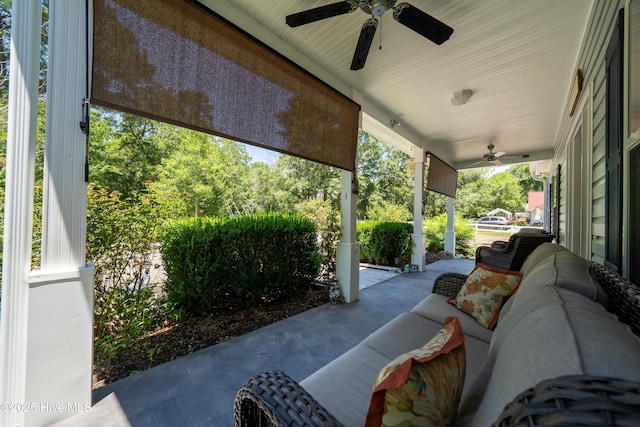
[
  {"x": 499, "y": 154},
  {"x": 364, "y": 44},
  {"x": 481, "y": 162},
  {"x": 422, "y": 23},
  {"x": 497, "y": 162},
  {"x": 319, "y": 13},
  {"x": 515, "y": 156}
]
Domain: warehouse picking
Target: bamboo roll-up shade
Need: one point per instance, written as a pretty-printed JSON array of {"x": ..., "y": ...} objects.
[
  {"x": 176, "y": 61},
  {"x": 441, "y": 177}
]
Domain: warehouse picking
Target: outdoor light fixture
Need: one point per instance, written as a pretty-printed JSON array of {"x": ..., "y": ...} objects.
[
  {"x": 378, "y": 8},
  {"x": 461, "y": 97}
]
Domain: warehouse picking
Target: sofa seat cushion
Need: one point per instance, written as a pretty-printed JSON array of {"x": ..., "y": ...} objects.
[
  {"x": 566, "y": 334},
  {"x": 343, "y": 387},
  {"x": 435, "y": 307}
]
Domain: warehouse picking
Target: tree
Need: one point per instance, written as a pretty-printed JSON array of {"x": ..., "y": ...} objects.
[
  {"x": 384, "y": 183},
  {"x": 207, "y": 173},
  {"x": 527, "y": 183},
  {"x": 306, "y": 180},
  {"x": 127, "y": 151},
  {"x": 478, "y": 194}
]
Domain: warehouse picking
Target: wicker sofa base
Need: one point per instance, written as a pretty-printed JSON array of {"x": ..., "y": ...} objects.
[{"x": 274, "y": 399}]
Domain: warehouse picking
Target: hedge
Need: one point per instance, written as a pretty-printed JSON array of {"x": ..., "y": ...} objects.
[
  {"x": 381, "y": 242},
  {"x": 213, "y": 263}
]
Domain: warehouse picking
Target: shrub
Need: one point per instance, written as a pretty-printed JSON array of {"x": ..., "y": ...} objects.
[
  {"x": 435, "y": 228},
  {"x": 388, "y": 211},
  {"x": 213, "y": 263},
  {"x": 326, "y": 216},
  {"x": 119, "y": 238},
  {"x": 381, "y": 242}
]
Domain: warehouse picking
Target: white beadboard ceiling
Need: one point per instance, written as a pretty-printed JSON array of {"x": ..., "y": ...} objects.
[{"x": 517, "y": 56}]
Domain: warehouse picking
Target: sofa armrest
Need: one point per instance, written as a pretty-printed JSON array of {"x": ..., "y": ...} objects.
[
  {"x": 623, "y": 295},
  {"x": 449, "y": 284},
  {"x": 499, "y": 244},
  {"x": 274, "y": 399},
  {"x": 575, "y": 400}
]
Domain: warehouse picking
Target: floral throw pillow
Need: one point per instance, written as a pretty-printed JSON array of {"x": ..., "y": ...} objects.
[
  {"x": 422, "y": 387},
  {"x": 484, "y": 292}
]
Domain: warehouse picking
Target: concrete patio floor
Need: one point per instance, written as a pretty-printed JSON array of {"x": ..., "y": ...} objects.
[{"x": 199, "y": 389}]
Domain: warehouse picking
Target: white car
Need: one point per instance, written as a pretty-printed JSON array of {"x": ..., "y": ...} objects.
[{"x": 497, "y": 221}]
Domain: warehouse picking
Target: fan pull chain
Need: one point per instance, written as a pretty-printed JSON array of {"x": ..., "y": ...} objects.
[{"x": 380, "y": 47}]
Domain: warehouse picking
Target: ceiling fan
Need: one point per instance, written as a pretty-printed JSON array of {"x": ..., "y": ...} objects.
[
  {"x": 496, "y": 158},
  {"x": 409, "y": 16}
]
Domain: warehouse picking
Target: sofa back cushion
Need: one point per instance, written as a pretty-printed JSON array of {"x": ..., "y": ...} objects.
[
  {"x": 540, "y": 253},
  {"x": 563, "y": 334},
  {"x": 566, "y": 270}
]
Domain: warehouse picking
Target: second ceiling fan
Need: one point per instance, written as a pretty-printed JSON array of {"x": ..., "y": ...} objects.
[
  {"x": 495, "y": 158},
  {"x": 409, "y": 16}
]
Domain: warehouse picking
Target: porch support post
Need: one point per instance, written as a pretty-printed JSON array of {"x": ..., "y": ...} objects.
[
  {"x": 450, "y": 234},
  {"x": 60, "y": 310},
  {"x": 417, "y": 238},
  {"x": 18, "y": 223},
  {"x": 348, "y": 250}
]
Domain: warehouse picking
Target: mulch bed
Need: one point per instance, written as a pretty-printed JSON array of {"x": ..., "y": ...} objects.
[{"x": 182, "y": 338}]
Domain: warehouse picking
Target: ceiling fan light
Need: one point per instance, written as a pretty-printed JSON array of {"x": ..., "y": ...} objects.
[
  {"x": 461, "y": 97},
  {"x": 378, "y": 7}
]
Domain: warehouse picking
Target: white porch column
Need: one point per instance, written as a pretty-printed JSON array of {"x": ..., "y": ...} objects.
[
  {"x": 348, "y": 250},
  {"x": 18, "y": 224},
  {"x": 417, "y": 238},
  {"x": 60, "y": 310},
  {"x": 450, "y": 235}
]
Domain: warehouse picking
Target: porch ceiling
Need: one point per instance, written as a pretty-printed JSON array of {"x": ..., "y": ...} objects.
[{"x": 518, "y": 57}]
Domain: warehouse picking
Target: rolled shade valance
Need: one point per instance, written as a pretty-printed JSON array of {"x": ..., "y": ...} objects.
[
  {"x": 176, "y": 61},
  {"x": 441, "y": 177}
]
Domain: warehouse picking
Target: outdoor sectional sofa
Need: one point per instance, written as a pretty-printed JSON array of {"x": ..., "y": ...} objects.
[{"x": 559, "y": 342}]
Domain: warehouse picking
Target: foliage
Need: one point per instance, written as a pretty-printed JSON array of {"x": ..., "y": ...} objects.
[
  {"x": 126, "y": 150},
  {"x": 478, "y": 194},
  {"x": 382, "y": 174},
  {"x": 435, "y": 228},
  {"x": 214, "y": 263},
  {"x": 326, "y": 216},
  {"x": 381, "y": 242},
  {"x": 120, "y": 233},
  {"x": 305, "y": 180},
  {"x": 382, "y": 210}
]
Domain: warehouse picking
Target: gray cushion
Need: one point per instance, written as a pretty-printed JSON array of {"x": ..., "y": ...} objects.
[
  {"x": 404, "y": 333},
  {"x": 566, "y": 334},
  {"x": 436, "y": 308},
  {"x": 540, "y": 253},
  {"x": 565, "y": 270},
  {"x": 344, "y": 386}
]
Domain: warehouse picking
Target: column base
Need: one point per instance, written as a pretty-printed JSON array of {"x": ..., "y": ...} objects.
[
  {"x": 418, "y": 256},
  {"x": 450, "y": 242},
  {"x": 59, "y": 349},
  {"x": 348, "y": 270}
]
